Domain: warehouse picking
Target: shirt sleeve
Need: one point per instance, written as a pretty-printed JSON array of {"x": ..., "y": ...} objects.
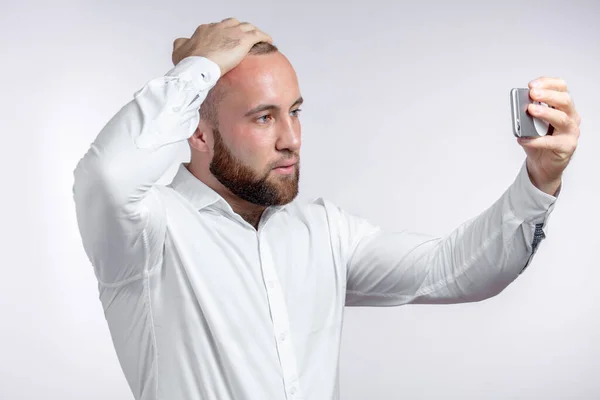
[
  {"x": 119, "y": 213},
  {"x": 476, "y": 261}
]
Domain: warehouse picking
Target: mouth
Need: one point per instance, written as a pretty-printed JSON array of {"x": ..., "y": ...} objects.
[
  {"x": 287, "y": 163},
  {"x": 286, "y": 167}
]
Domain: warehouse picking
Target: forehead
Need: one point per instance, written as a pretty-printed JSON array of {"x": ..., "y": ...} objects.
[{"x": 265, "y": 78}]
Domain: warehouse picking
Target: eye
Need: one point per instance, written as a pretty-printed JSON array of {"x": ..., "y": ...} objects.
[
  {"x": 262, "y": 118},
  {"x": 296, "y": 111}
]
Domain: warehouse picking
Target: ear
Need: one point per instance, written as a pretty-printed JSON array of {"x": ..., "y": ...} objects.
[{"x": 202, "y": 139}]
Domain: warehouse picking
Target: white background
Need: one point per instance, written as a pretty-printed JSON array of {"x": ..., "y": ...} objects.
[{"x": 406, "y": 122}]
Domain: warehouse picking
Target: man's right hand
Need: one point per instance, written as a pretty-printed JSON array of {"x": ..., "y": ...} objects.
[{"x": 225, "y": 43}]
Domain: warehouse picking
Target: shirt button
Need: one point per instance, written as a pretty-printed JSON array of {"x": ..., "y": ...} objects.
[
  {"x": 271, "y": 284},
  {"x": 293, "y": 390},
  {"x": 282, "y": 336}
]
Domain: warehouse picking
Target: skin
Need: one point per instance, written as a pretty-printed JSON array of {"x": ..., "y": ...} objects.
[
  {"x": 238, "y": 163},
  {"x": 548, "y": 156},
  {"x": 238, "y": 150}
]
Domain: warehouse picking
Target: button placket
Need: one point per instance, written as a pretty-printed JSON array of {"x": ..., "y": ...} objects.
[{"x": 280, "y": 319}]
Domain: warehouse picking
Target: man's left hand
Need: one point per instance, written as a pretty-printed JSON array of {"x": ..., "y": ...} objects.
[{"x": 548, "y": 156}]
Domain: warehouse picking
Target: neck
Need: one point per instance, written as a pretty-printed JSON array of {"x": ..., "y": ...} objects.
[{"x": 250, "y": 212}]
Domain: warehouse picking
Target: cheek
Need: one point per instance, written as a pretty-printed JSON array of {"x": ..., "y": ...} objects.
[{"x": 254, "y": 148}]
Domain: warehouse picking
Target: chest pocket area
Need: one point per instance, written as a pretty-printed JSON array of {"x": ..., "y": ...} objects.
[{"x": 313, "y": 287}]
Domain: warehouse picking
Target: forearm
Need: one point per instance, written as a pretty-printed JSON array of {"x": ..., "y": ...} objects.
[
  {"x": 137, "y": 146},
  {"x": 484, "y": 255},
  {"x": 475, "y": 261}
]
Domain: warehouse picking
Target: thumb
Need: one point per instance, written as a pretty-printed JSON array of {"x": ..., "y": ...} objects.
[
  {"x": 179, "y": 42},
  {"x": 547, "y": 142}
]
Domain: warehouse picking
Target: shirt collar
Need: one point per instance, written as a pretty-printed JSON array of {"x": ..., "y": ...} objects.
[{"x": 198, "y": 193}]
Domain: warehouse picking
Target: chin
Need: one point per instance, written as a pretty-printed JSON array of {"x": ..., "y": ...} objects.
[{"x": 287, "y": 192}]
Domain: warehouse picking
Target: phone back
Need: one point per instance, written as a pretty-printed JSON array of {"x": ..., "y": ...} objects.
[{"x": 522, "y": 121}]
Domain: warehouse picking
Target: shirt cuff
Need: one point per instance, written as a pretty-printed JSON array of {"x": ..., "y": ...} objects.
[
  {"x": 527, "y": 202},
  {"x": 198, "y": 71},
  {"x": 169, "y": 104}
]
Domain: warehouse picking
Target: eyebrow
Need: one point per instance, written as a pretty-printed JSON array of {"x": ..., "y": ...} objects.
[{"x": 264, "y": 107}]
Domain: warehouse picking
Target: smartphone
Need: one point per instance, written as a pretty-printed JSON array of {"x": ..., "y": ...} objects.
[{"x": 524, "y": 125}]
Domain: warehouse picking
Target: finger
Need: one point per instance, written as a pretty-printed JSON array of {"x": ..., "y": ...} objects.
[
  {"x": 260, "y": 36},
  {"x": 556, "y": 99},
  {"x": 179, "y": 42},
  {"x": 560, "y": 145},
  {"x": 545, "y": 82},
  {"x": 557, "y": 118},
  {"x": 230, "y": 21},
  {"x": 254, "y": 31},
  {"x": 246, "y": 26}
]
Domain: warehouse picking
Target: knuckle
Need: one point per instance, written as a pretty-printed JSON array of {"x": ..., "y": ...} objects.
[
  {"x": 564, "y": 101},
  {"x": 202, "y": 28},
  {"x": 246, "y": 27},
  {"x": 561, "y": 84}
]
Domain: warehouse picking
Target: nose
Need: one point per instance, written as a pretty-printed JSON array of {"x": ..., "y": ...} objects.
[{"x": 290, "y": 137}]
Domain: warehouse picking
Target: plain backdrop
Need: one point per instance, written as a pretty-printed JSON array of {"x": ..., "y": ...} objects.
[{"x": 406, "y": 122}]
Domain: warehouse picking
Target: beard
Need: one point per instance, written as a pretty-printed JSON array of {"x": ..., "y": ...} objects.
[{"x": 256, "y": 187}]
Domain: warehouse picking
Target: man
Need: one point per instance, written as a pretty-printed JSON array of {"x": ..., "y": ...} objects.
[{"x": 220, "y": 285}]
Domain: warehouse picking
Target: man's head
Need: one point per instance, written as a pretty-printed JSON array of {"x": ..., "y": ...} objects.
[{"x": 249, "y": 127}]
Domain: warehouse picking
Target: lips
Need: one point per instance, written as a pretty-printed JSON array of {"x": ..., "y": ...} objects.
[{"x": 285, "y": 164}]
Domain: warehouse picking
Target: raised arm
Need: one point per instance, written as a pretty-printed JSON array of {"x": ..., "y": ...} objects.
[
  {"x": 474, "y": 262},
  {"x": 482, "y": 256},
  {"x": 119, "y": 212}
]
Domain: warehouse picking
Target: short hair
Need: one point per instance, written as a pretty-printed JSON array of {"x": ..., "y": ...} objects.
[{"x": 209, "y": 107}]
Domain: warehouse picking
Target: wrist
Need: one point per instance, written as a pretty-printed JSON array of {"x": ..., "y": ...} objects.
[{"x": 548, "y": 187}]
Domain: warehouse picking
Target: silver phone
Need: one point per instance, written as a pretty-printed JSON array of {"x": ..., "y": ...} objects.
[{"x": 524, "y": 125}]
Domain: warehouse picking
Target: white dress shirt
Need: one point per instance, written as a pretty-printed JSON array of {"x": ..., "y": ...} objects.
[{"x": 201, "y": 305}]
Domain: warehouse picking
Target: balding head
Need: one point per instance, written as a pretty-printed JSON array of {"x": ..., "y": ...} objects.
[
  {"x": 210, "y": 105},
  {"x": 247, "y": 143}
]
